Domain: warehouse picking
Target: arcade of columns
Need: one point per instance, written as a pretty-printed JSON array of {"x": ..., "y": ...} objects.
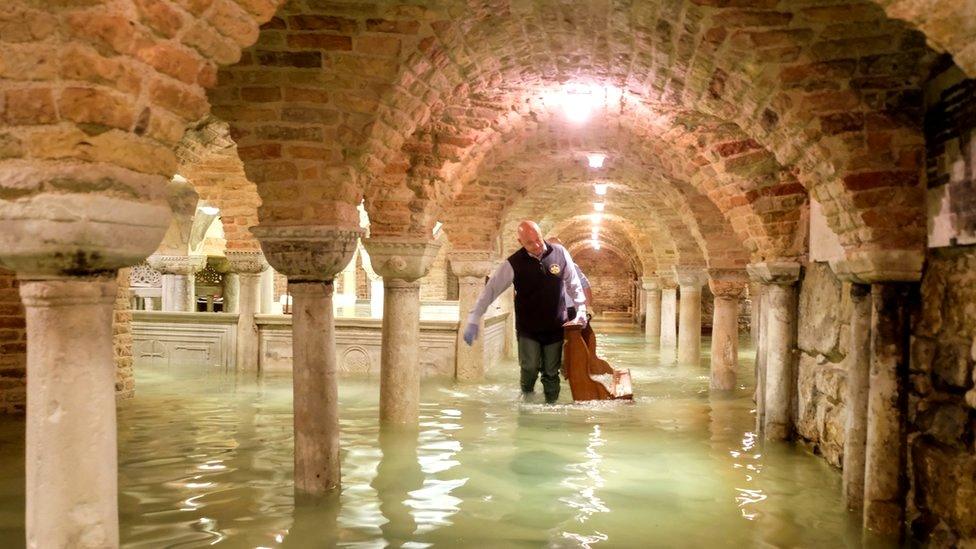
[{"x": 737, "y": 139}]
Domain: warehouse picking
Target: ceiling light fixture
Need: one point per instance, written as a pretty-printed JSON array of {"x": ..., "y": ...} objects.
[
  {"x": 578, "y": 103},
  {"x": 595, "y": 160},
  {"x": 596, "y": 244},
  {"x": 599, "y": 206},
  {"x": 600, "y": 189},
  {"x": 596, "y": 218}
]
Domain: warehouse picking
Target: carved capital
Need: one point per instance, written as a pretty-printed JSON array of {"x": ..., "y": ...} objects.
[
  {"x": 667, "y": 280},
  {"x": 870, "y": 266},
  {"x": 471, "y": 263},
  {"x": 784, "y": 273},
  {"x": 690, "y": 277},
  {"x": 243, "y": 262},
  {"x": 308, "y": 252},
  {"x": 649, "y": 283},
  {"x": 727, "y": 283},
  {"x": 177, "y": 264},
  {"x": 402, "y": 257}
]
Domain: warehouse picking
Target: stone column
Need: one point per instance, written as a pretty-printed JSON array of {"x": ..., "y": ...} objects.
[
  {"x": 727, "y": 286},
  {"x": 689, "y": 321},
  {"x": 884, "y": 489},
  {"x": 652, "y": 308},
  {"x": 669, "y": 311},
  {"x": 247, "y": 266},
  {"x": 759, "y": 329},
  {"x": 178, "y": 281},
  {"x": 471, "y": 268},
  {"x": 310, "y": 256},
  {"x": 755, "y": 302},
  {"x": 856, "y": 404},
  {"x": 401, "y": 261},
  {"x": 780, "y": 345},
  {"x": 71, "y": 464},
  {"x": 267, "y": 292},
  {"x": 231, "y": 292}
]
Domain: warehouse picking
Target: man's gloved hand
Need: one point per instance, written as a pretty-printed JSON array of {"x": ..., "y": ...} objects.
[{"x": 470, "y": 333}]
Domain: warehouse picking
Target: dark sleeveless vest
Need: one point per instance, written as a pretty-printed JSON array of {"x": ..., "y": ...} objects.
[{"x": 539, "y": 307}]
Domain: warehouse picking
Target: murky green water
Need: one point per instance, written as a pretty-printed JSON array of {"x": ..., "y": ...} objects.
[{"x": 205, "y": 460}]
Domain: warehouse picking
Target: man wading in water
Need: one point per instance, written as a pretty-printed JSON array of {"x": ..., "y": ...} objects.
[{"x": 544, "y": 277}]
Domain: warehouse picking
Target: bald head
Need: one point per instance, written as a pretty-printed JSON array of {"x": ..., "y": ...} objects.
[{"x": 530, "y": 237}]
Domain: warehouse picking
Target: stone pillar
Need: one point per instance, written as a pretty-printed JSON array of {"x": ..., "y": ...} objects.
[
  {"x": 856, "y": 403},
  {"x": 267, "y": 292},
  {"x": 471, "y": 268},
  {"x": 669, "y": 312},
  {"x": 310, "y": 256},
  {"x": 401, "y": 261},
  {"x": 231, "y": 292},
  {"x": 755, "y": 303},
  {"x": 71, "y": 464},
  {"x": 727, "y": 286},
  {"x": 759, "y": 325},
  {"x": 652, "y": 308},
  {"x": 178, "y": 279},
  {"x": 689, "y": 321},
  {"x": 247, "y": 267},
  {"x": 780, "y": 345},
  {"x": 885, "y": 440}
]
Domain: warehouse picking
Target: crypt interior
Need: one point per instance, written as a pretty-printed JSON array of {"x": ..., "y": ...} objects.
[{"x": 239, "y": 240}]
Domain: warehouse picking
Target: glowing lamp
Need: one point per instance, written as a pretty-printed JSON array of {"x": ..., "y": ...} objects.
[
  {"x": 596, "y": 244},
  {"x": 595, "y": 160},
  {"x": 599, "y": 206},
  {"x": 600, "y": 189},
  {"x": 596, "y": 218}
]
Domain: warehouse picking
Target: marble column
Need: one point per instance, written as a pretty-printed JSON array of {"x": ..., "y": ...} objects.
[
  {"x": 690, "y": 281},
  {"x": 247, "y": 266},
  {"x": 856, "y": 403},
  {"x": 310, "y": 256},
  {"x": 70, "y": 463},
  {"x": 401, "y": 261},
  {"x": 669, "y": 312},
  {"x": 471, "y": 268},
  {"x": 780, "y": 345},
  {"x": 231, "y": 292},
  {"x": 759, "y": 329},
  {"x": 267, "y": 292},
  {"x": 755, "y": 303},
  {"x": 727, "y": 286},
  {"x": 652, "y": 308},
  {"x": 178, "y": 279},
  {"x": 884, "y": 484}
]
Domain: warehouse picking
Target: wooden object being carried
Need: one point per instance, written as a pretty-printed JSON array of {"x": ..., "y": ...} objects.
[{"x": 590, "y": 377}]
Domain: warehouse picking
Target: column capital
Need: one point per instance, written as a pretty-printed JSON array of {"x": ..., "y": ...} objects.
[
  {"x": 407, "y": 258},
  {"x": 308, "y": 252},
  {"x": 667, "y": 280},
  {"x": 728, "y": 283},
  {"x": 177, "y": 264},
  {"x": 246, "y": 262},
  {"x": 471, "y": 263},
  {"x": 650, "y": 283},
  {"x": 690, "y": 276},
  {"x": 870, "y": 266},
  {"x": 784, "y": 273}
]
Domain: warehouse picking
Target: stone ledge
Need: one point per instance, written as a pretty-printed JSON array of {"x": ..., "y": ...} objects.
[
  {"x": 774, "y": 273},
  {"x": 867, "y": 267}
]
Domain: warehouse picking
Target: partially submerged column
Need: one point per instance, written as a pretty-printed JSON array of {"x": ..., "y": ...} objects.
[
  {"x": 401, "y": 261},
  {"x": 310, "y": 256},
  {"x": 248, "y": 267},
  {"x": 727, "y": 286},
  {"x": 669, "y": 311},
  {"x": 471, "y": 268},
  {"x": 856, "y": 402},
  {"x": 652, "y": 307},
  {"x": 779, "y": 332},
  {"x": 691, "y": 281},
  {"x": 267, "y": 292},
  {"x": 179, "y": 288}
]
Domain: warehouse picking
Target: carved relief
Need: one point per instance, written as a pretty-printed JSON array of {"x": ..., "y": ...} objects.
[{"x": 355, "y": 361}]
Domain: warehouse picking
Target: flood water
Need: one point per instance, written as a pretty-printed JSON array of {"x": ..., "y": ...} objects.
[{"x": 207, "y": 460}]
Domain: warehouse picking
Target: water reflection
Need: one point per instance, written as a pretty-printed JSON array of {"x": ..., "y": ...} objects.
[{"x": 398, "y": 476}]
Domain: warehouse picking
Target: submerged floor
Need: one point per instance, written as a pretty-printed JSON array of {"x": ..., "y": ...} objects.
[{"x": 206, "y": 460}]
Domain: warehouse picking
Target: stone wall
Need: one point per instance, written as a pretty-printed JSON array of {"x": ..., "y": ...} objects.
[
  {"x": 125, "y": 383},
  {"x": 823, "y": 342},
  {"x": 941, "y": 417},
  {"x": 434, "y": 286},
  {"x": 611, "y": 280},
  {"x": 13, "y": 346}
]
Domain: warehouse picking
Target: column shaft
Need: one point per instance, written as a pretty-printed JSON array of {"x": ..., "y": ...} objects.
[
  {"x": 400, "y": 358},
  {"x": 232, "y": 292},
  {"x": 760, "y": 367},
  {"x": 316, "y": 401},
  {"x": 249, "y": 297},
  {"x": 885, "y": 440},
  {"x": 71, "y": 466},
  {"x": 725, "y": 342},
  {"x": 689, "y": 331},
  {"x": 669, "y": 312},
  {"x": 267, "y": 292},
  {"x": 470, "y": 360},
  {"x": 858, "y": 373},
  {"x": 780, "y": 371},
  {"x": 652, "y": 309},
  {"x": 179, "y": 292}
]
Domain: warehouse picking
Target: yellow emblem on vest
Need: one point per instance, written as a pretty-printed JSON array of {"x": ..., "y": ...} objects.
[{"x": 554, "y": 269}]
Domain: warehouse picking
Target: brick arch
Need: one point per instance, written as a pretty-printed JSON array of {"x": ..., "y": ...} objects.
[
  {"x": 208, "y": 159},
  {"x": 947, "y": 27},
  {"x": 578, "y": 238}
]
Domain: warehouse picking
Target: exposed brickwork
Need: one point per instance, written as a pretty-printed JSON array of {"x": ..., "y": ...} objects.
[
  {"x": 434, "y": 286},
  {"x": 611, "y": 279},
  {"x": 13, "y": 347}
]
